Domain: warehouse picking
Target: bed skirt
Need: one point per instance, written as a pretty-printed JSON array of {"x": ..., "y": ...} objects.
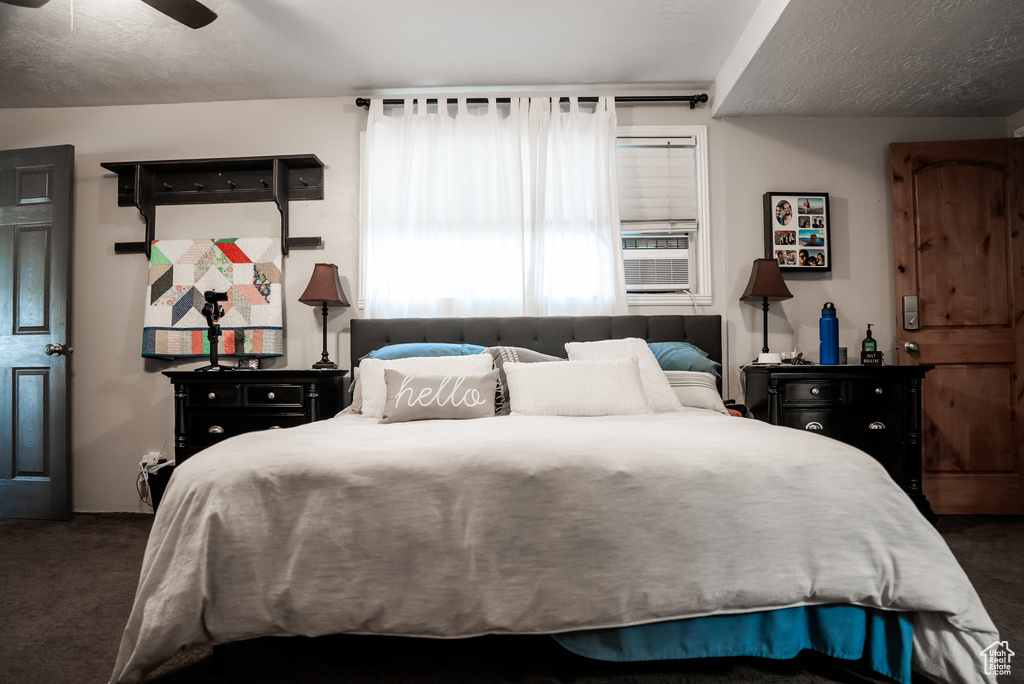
[{"x": 883, "y": 640}]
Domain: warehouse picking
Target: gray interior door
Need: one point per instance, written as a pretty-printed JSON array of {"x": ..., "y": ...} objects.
[{"x": 36, "y": 187}]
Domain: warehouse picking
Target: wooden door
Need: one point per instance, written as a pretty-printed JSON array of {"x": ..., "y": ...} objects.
[
  {"x": 958, "y": 243},
  {"x": 35, "y": 225}
]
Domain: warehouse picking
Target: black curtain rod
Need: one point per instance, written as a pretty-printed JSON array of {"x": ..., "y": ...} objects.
[{"x": 692, "y": 99}]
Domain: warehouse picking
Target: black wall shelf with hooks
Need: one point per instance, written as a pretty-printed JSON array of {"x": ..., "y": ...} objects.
[{"x": 279, "y": 179}]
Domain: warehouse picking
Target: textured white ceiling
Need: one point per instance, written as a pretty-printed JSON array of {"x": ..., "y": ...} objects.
[
  {"x": 886, "y": 58},
  {"x": 789, "y": 57},
  {"x": 124, "y": 52}
]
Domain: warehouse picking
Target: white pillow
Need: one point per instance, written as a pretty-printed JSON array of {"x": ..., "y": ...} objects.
[
  {"x": 659, "y": 394},
  {"x": 696, "y": 389},
  {"x": 374, "y": 390},
  {"x": 576, "y": 388}
]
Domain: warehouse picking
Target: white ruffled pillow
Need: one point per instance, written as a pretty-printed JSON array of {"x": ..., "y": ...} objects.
[
  {"x": 576, "y": 388},
  {"x": 659, "y": 394},
  {"x": 696, "y": 389},
  {"x": 371, "y": 374}
]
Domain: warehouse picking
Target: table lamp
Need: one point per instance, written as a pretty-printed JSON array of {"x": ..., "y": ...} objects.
[
  {"x": 324, "y": 289},
  {"x": 766, "y": 284}
]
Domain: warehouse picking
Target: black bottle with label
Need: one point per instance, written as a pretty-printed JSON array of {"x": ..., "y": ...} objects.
[{"x": 869, "y": 342}]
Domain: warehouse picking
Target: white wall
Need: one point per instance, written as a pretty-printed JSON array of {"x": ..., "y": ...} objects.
[
  {"x": 849, "y": 159},
  {"x": 122, "y": 405}
]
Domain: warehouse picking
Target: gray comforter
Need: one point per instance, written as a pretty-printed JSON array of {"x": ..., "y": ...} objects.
[{"x": 525, "y": 524}]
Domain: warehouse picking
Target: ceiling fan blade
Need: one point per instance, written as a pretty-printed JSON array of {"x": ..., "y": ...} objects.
[
  {"x": 188, "y": 12},
  {"x": 26, "y": 3}
]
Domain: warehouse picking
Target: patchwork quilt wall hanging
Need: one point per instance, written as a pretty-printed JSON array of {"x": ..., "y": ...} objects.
[{"x": 181, "y": 271}]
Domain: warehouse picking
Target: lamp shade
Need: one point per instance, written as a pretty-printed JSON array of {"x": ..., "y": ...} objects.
[
  {"x": 324, "y": 287},
  {"x": 766, "y": 282}
]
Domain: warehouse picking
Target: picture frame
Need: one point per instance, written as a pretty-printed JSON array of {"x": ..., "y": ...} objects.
[{"x": 798, "y": 231}]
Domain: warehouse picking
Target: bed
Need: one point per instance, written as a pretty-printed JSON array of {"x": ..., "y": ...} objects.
[{"x": 648, "y": 535}]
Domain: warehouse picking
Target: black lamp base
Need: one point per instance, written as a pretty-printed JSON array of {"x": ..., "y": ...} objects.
[
  {"x": 325, "y": 360},
  {"x": 764, "y": 305}
]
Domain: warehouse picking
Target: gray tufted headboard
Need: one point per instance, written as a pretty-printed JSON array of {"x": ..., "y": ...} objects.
[{"x": 544, "y": 334}]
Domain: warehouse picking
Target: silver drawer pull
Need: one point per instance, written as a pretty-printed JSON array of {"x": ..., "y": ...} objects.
[
  {"x": 211, "y": 395},
  {"x": 876, "y": 426},
  {"x": 815, "y": 391},
  {"x": 215, "y": 430},
  {"x": 814, "y": 425},
  {"x": 879, "y": 390},
  {"x": 270, "y": 395}
]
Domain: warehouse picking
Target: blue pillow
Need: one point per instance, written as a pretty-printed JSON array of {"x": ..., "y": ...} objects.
[
  {"x": 683, "y": 356},
  {"x": 408, "y": 349}
]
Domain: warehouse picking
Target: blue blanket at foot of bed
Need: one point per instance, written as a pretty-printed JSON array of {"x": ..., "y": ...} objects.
[{"x": 883, "y": 640}]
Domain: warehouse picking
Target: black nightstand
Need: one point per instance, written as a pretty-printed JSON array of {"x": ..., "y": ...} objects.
[
  {"x": 874, "y": 408},
  {"x": 212, "y": 406}
]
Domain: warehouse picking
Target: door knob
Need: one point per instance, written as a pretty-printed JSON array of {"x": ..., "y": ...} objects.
[
  {"x": 911, "y": 347},
  {"x": 58, "y": 349}
]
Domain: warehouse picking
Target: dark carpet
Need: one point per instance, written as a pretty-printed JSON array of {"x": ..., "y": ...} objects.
[{"x": 66, "y": 589}]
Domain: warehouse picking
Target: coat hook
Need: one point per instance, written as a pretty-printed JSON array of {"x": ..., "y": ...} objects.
[
  {"x": 231, "y": 185},
  {"x": 264, "y": 183},
  {"x": 199, "y": 186},
  {"x": 303, "y": 181},
  {"x": 168, "y": 187}
]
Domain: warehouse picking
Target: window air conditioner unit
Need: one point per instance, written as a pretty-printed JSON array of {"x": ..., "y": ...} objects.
[{"x": 656, "y": 262}]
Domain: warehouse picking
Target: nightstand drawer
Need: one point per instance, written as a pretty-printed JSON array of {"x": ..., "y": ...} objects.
[
  {"x": 873, "y": 430},
  {"x": 811, "y": 392},
  {"x": 213, "y": 395},
  {"x": 823, "y": 422},
  {"x": 209, "y": 428},
  {"x": 274, "y": 395},
  {"x": 867, "y": 393},
  {"x": 894, "y": 461}
]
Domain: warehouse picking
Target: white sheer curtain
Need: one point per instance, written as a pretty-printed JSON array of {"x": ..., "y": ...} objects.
[
  {"x": 482, "y": 214},
  {"x": 576, "y": 250}
]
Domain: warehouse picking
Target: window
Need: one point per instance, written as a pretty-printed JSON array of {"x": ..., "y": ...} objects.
[
  {"x": 493, "y": 213},
  {"x": 663, "y": 209},
  {"x": 665, "y": 237}
]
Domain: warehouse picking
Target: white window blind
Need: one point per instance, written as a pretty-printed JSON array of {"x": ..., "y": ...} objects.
[
  {"x": 657, "y": 181},
  {"x": 663, "y": 199}
]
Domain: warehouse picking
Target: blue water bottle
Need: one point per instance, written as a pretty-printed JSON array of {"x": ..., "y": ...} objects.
[{"x": 828, "y": 329}]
